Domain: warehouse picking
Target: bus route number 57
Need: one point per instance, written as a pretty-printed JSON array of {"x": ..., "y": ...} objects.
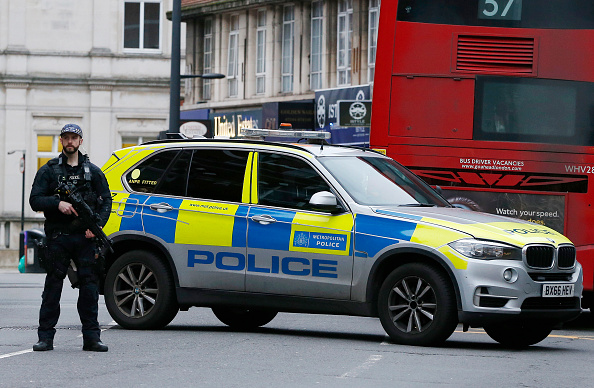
[{"x": 500, "y": 9}]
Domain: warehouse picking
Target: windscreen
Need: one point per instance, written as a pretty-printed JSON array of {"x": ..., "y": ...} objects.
[
  {"x": 560, "y": 14},
  {"x": 377, "y": 181}
]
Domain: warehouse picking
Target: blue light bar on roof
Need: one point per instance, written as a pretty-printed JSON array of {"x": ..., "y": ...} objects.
[{"x": 278, "y": 133}]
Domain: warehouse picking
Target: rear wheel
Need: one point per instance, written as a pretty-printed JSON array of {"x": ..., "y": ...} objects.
[
  {"x": 518, "y": 335},
  {"x": 242, "y": 318},
  {"x": 417, "y": 305},
  {"x": 140, "y": 292}
]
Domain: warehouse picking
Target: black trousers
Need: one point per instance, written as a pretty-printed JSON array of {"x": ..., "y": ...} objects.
[{"x": 76, "y": 247}]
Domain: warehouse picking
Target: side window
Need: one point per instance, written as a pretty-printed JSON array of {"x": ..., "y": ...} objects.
[
  {"x": 217, "y": 175},
  {"x": 286, "y": 181},
  {"x": 175, "y": 179},
  {"x": 147, "y": 175}
]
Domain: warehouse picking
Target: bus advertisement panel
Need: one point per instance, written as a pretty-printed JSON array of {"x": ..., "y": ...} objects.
[{"x": 493, "y": 101}]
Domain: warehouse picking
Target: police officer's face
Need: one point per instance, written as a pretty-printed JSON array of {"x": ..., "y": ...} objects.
[{"x": 70, "y": 142}]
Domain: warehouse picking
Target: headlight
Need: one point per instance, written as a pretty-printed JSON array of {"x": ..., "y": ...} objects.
[{"x": 486, "y": 250}]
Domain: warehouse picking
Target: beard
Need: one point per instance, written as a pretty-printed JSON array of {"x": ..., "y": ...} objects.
[{"x": 70, "y": 150}]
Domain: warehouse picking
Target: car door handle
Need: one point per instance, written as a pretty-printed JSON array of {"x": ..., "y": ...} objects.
[
  {"x": 264, "y": 219},
  {"x": 161, "y": 207}
]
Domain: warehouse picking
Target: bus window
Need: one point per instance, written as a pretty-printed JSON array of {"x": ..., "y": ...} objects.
[
  {"x": 577, "y": 14},
  {"x": 534, "y": 110}
]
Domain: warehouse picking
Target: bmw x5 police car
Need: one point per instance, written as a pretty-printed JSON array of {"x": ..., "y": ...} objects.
[{"x": 251, "y": 228}]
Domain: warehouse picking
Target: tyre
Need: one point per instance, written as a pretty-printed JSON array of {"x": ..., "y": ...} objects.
[
  {"x": 518, "y": 335},
  {"x": 242, "y": 318},
  {"x": 140, "y": 292},
  {"x": 417, "y": 305},
  {"x": 465, "y": 203}
]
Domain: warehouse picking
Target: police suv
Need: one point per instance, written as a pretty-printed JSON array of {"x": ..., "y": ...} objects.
[{"x": 251, "y": 228}]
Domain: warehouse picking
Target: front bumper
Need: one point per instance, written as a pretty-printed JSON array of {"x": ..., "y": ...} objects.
[
  {"x": 486, "y": 297},
  {"x": 545, "y": 317}
]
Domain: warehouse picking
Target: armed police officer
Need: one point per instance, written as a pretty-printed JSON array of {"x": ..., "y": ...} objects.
[{"x": 68, "y": 239}]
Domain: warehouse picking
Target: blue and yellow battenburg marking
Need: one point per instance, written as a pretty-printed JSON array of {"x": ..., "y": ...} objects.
[
  {"x": 375, "y": 233},
  {"x": 225, "y": 225},
  {"x": 203, "y": 223},
  {"x": 211, "y": 223}
]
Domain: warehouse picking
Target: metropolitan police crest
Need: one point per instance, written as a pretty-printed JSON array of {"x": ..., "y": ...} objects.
[{"x": 301, "y": 239}]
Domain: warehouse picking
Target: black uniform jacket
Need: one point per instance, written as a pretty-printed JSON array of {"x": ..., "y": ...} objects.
[{"x": 43, "y": 197}]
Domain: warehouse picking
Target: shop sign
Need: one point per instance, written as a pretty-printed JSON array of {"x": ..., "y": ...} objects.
[
  {"x": 230, "y": 124},
  {"x": 354, "y": 113},
  {"x": 327, "y": 114},
  {"x": 300, "y": 114}
]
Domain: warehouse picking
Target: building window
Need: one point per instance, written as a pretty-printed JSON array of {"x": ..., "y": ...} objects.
[
  {"x": 131, "y": 141},
  {"x": 232, "y": 59},
  {"x": 317, "y": 24},
  {"x": 261, "y": 53},
  {"x": 48, "y": 147},
  {"x": 374, "y": 7},
  {"x": 345, "y": 32},
  {"x": 142, "y": 25},
  {"x": 207, "y": 58},
  {"x": 6, "y": 235},
  {"x": 287, "y": 48}
]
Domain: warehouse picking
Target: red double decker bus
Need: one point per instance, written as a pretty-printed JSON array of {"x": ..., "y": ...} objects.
[{"x": 493, "y": 101}]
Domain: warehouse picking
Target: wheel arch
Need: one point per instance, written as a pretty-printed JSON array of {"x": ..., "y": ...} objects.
[
  {"x": 123, "y": 243},
  {"x": 397, "y": 257}
]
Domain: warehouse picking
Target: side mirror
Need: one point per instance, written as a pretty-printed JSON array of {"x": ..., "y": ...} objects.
[{"x": 324, "y": 201}]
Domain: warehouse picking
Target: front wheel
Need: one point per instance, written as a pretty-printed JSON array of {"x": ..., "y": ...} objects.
[
  {"x": 417, "y": 305},
  {"x": 242, "y": 318},
  {"x": 140, "y": 292},
  {"x": 518, "y": 335}
]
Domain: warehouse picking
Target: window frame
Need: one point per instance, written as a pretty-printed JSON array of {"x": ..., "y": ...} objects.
[
  {"x": 261, "y": 24},
  {"x": 316, "y": 49},
  {"x": 44, "y": 156},
  {"x": 343, "y": 56},
  {"x": 142, "y": 27},
  {"x": 372, "y": 34},
  {"x": 207, "y": 57},
  {"x": 233, "y": 57},
  {"x": 288, "y": 52}
]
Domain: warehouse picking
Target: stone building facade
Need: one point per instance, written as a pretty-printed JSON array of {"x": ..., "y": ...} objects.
[
  {"x": 278, "y": 52},
  {"x": 103, "y": 64}
]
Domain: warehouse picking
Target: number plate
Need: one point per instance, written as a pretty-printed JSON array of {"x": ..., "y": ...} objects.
[{"x": 557, "y": 290}]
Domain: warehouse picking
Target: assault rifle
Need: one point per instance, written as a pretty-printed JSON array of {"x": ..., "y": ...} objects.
[{"x": 89, "y": 218}]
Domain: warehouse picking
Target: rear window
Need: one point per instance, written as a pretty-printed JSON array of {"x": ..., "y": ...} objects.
[
  {"x": 217, "y": 175},
  {"x": 145, "y": 177},
  {"x": 534, "y": 110},
  {"x": 201, "y": 173}
]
